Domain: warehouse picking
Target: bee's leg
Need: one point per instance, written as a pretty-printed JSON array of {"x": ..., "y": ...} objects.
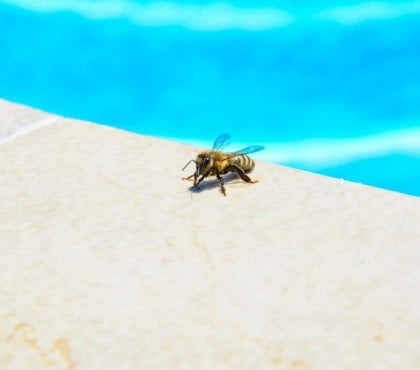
[
  {"x": 222, "y": 183},
  {"x": 196, "y": 182},
  {"x": 187, "y": 178},
  {"x": 240, "y": 172},
  {"x": 195, "y": 175}
]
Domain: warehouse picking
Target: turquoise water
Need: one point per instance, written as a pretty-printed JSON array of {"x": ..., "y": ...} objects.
[{"x": 330, "y": 89}]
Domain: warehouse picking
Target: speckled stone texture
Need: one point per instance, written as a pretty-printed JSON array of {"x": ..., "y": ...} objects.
[{"x": 110, "y": 261}]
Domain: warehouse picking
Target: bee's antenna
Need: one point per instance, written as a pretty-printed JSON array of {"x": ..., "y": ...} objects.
[{"x": 192, "y": 160}]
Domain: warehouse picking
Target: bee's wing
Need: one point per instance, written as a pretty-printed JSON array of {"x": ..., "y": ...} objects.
[
  {"x": 248, "y": 150},
  {"x": 221, "y": 141}
]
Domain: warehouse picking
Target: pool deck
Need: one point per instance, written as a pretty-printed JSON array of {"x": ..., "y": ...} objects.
[{"x": 110, "y": 261}]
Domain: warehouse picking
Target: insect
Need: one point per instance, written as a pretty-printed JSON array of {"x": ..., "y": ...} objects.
[{"x": 214, "y": 162}]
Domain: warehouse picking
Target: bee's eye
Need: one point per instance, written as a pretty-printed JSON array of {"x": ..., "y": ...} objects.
[{"x": 206, "y": 161}]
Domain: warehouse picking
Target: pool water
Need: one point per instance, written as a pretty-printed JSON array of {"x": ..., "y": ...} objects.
[{"x": 334, "y": 90}]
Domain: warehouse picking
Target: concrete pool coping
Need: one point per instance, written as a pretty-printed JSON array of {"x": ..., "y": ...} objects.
[{"x": 110, "y": 261}]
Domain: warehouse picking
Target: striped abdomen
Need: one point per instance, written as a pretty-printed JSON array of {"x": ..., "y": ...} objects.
[{"x": 244, "y": 162}]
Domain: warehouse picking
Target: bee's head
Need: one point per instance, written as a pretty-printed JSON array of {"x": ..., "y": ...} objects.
[{"x": 203, "y": 162}]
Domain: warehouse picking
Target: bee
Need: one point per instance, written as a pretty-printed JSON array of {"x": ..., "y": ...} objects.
[{"x": 214, "y": 162}]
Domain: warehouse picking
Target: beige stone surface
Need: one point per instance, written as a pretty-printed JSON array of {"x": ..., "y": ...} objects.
[
  {"x": 16, "y": 120},
  {"x": 110, "y": 261}
]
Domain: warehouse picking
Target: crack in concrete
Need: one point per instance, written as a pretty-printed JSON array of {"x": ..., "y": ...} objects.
[{"x": 204, "y": 251}]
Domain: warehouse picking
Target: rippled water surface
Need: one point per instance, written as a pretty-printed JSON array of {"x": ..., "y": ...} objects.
[{"x": 333, "y": 89}]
